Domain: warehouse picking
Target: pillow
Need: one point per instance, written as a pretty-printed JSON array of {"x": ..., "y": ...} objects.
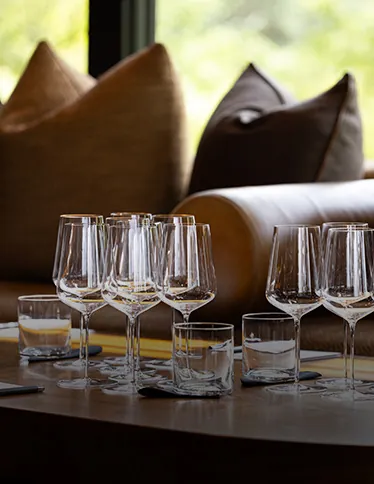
[
  {"x": 118, "y": 146},
  {"x": 47, "y": 84},
  {"x": 259, "y": 135}
]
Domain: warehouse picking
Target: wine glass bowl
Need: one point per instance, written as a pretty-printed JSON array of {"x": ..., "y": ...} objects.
[{"x": 186, "y": 277}]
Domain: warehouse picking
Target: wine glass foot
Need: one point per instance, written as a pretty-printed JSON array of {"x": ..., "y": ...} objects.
[
  {"x": 78, "y": 365},
  {"x": 121, "y": 389},
  {"x": 159, "y": 364},
  {"x": 296, "y": 389},
  {"x": 83, "y": 383},
  {"x": 116, "y": 360},
  {"x": 348, "y": 395},
  {"x": 124, "y": 378},
  {"x": 113, "y": 370},
  {"x": 341, "y": 383}
]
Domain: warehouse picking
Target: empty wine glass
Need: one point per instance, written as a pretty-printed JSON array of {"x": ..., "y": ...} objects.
[
  {"x": 339, "y": 382},
  {"x": 75, "y": 365},
  {"x": 160, "y": 219},
  {"x": 122, "y": 361},
  {"x": 347, "y": 288},
  {"x": 130, "y": 284},
  {"x": 79, "y": 282},
  {"x": 294, "y": 284},
  {"x": 186, "y": 276}
]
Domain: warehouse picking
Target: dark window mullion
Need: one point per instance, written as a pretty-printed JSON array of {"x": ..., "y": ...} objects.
[{"x": 117, "y": 29}]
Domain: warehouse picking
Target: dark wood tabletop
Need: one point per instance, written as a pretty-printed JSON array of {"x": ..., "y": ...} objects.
[{"x": 74, "y": 435}]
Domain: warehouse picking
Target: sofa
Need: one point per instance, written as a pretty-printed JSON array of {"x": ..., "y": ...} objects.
[
  {"x": 242, "y": 221},
  {"x": 105, "y": 145}
]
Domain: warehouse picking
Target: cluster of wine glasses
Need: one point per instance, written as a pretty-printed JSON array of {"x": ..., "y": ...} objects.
[
  {"x": 333, "y": 266},
  {"x": 130, "y": 261}
]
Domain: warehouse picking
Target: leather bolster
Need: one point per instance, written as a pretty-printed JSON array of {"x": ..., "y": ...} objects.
[{"x": 242, "y": 221}]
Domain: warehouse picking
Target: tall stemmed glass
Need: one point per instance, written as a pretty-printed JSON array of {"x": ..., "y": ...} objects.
[
  {"x": 130, "y": 283},
  {"x": 160, "y": 219},
  {"x": 339, "y": 382},
  {"x": 347, "y": 288},
  {"x": 76, "y": 365},
  {"x": 122, "y": 361},
  {"x": 294, "y": 284},
  {"x": 79, "y": 282}
]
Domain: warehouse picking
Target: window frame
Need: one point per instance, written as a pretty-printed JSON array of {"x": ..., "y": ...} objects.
[{"x": 117, "y": 29}]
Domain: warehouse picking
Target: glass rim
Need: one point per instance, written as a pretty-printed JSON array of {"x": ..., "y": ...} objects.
[
  {"x": 351, "y": 228},
  {"x": 172, "y": 215},
  {"x": 199, "y": 224},
  {"x": 296, "y": 226},
  {"x": 203, "y": 326},
  {"x": 39, "y": 298},
  {"x": 266, "y": 316},
  {"x": 81, "y": 215},
  {"x": 359, "y": 224},
  {"x": 129, "y": 214}
]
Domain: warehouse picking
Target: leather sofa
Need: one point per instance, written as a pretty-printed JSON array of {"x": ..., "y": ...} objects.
[{"x": 242, "y": 221}]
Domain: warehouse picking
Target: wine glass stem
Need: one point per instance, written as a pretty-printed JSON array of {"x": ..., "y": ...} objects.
[
  {"x": 345, "y": 349},
  {"x": 186, "y": 318},
  {"x": 86, "y": 319},
  {"x": 352, "y": 327},
  {"x": 81, "y": 338},
  {"x": 131, "y": 352},
  {"x": 127, "y": 342},
  {"x": 137, "y": 325},
  {"x": 297, "y": 350}
]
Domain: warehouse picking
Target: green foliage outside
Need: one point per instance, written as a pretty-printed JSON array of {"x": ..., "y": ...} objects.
[{"x": 306, "y": 45}]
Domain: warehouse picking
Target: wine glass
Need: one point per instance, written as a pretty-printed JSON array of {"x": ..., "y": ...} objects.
[
  {"x": 122, "y": 361},
  {"x": 75, "y": 365},
  {"x": 348, "y": 287},
  {"x": 339, "y": 382},
  {"x": 186, "y": 276},
  {"x": 79, "y": 283},
  {"x": 294, "y": 284},
  {"x": 129, "y": 285},
  {"x": 160, "y": 219}
]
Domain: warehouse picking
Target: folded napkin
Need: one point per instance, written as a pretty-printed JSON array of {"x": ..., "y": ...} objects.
[
  {"x": 92, "y": 351},
  {"x": 304, "y": 375}
]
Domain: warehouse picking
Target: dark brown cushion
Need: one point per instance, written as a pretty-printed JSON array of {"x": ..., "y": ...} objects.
[{"x": 259, "y": 135}]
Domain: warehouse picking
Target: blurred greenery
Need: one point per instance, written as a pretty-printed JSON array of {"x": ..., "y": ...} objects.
[
  {"x": 306, "y": 46},
  {"x": 23, "y": 23}
]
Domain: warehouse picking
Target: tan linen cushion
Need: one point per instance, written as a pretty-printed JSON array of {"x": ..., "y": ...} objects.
[
  {"x": 47, "y": 84},
  {"x": 120, "y": 146}
]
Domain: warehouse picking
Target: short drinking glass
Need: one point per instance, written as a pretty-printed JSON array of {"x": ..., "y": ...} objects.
[
  {"x": 268, "y": 342},
  {"x": 44, "y": 324},
  {"x": 203, "y": 358}
]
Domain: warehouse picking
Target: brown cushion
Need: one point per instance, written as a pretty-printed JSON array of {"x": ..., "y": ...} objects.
[
  {"x": 119, "y": 146},
  {"x": 259, "y": 135},
  {"x": 47, "y": 84}
]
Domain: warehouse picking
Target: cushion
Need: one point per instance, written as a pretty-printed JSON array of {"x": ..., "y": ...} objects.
[
  {"x": 119, "y": 145},
  {"x": 259, "y": 135},
  {"x": 47, "y": 84}
]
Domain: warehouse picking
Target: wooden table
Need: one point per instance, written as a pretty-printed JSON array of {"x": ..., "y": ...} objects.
[{"x": 86, "y": 436}]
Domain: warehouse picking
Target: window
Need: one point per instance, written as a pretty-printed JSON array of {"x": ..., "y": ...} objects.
[
  {"x": 307, "y": 46},
  {"x": 25, "y": 22}
]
